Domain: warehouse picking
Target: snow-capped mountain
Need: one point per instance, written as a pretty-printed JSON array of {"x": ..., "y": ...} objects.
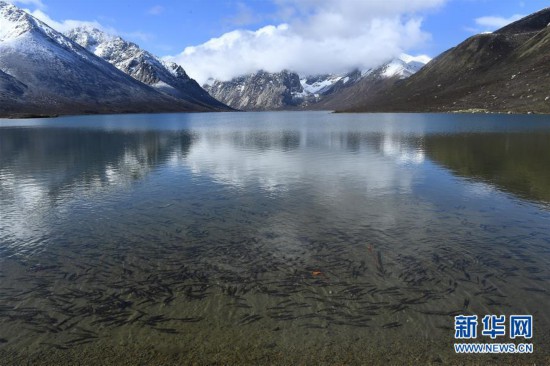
[
  {"x": 404, "y": 66},
  {"x": 266, "y": 91},
  {"x": 168, "y": 78},
  {"x": 316, "y": 87},
  {"x": 42, "y": 72},
  {"x": 503, "y": 71},
  {"x": 259, "y": 91}
]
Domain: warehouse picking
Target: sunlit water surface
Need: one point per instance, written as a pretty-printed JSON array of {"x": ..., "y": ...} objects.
[{"x": 270, "y": 237}]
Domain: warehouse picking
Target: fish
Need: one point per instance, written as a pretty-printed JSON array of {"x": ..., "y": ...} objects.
[
  {"x": 167, "y": 330},
  {"x": 55, "y": 345},
  {"x": 379, "y": 263},
  {"x": 533, "y": 289},
  {"x": 250, "y": 319}
]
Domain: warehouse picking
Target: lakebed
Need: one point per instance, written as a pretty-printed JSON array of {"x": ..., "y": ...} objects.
[{"x": 284, "y": 237}]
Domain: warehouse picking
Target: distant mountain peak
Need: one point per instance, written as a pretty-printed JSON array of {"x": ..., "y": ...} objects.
[
  {"x": 111, "y": 48},
  {"x": 285, "y": 89},
  {"x": 16, "y": 23},
  {"x": 261, "y": 90},
  {"x": 42, "y": 72},
  {"x": 423, "y": 59},
  {"x": 166, "y": 77},
  {"x": 504, "y": 71},
  {"x": 404, "y": 66},
  {"x": 89, "y": 37}
]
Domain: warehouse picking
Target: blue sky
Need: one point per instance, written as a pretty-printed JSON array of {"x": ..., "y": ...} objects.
[{"x": 167, "y": 27}]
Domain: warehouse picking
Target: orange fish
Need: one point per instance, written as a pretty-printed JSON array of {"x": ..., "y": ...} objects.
[{"x": 316, "y": 273}]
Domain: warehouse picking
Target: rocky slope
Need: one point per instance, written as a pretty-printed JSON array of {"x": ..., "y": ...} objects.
[
  {"x": 10, "y": 87},
  {"x": 259, "y": 91},
  {"x": 167, "y": 78},
  {"x": 288, "y": 90},
  {"x": 44, "y": 73},
  {"x": 504, "y": 71},
  {"x": 371, "y": 82}
]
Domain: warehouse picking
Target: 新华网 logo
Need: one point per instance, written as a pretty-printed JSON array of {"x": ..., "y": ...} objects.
[{"x": 493, "y": 327}]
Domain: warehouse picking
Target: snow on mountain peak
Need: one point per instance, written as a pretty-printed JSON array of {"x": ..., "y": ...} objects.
[
  {"x": 13, "y": 22},
  {"x": 250, "y": 92},
  {"x": 423, "y": 59},
  {"x": 166, "y": 77},
  {"x": 404, "y": 66},
  {"x": 104, "y": 45},
  {"x": 89, "y": 37},
  {"x": 126, "y": 56},
  {"x": 19, "y": 27}
]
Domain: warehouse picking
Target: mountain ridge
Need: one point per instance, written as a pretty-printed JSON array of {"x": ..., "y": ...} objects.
[
  {"x": 504, "y": 71},
  {"x": 288, "y": 90},
  {"x": 44, "y": 73},
  {"x": 167, "y": 78}
]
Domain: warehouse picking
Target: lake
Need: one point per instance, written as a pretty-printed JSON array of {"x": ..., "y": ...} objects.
[{"x": 261, "y": 238}]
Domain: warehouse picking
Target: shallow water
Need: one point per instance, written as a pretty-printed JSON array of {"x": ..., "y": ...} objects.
[{"x": 290, "y": 237}]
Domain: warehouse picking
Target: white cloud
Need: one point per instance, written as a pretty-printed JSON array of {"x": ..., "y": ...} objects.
[
  {"x": 215, "y": 154},
  {"x": 496, "y": 22},
  {"x": 156, "y": 10},
  {"x": 66, "y": 25},
  {"x": 36, "y": 3},
  {"x": 315, "y": 37}
]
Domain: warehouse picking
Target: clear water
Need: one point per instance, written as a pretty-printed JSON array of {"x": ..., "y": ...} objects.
[{"x": 256, "y": 238}]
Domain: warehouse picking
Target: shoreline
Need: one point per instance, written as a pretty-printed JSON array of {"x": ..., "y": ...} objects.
[{"x": 475, "y": 111}]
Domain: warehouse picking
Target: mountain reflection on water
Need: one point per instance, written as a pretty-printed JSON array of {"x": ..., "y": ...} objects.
[
  {"x": 515, "y": 163},
  {"x": 294, "y": 236},
  {"x": 88, "y": 157}
]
